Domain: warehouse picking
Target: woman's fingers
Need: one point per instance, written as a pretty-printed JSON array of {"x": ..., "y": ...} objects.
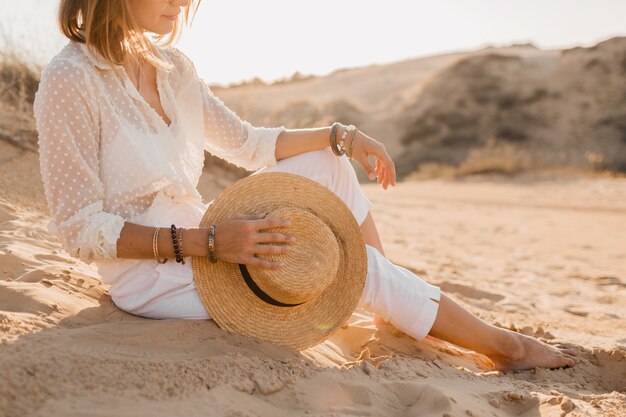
[
  {"x": 379, "y": 167},
  {"x": 267, "y": 250},
  {"x": 383, "y": 177},
  {"x": 271, "y": 237},
  {"x": 390, "y": 170},
  {"x": 271, "y": 222},
  {"x": 270, "y": 249},
  {"x": 386, "y": 172},
  {"x": 264, "y": 263},
  {"x": 385, "y": 169}
]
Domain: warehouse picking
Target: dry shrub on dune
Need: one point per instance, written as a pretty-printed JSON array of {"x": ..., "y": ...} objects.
[
  {"x": 562, "y": 111},
  {"x": 19, "y": 80}
]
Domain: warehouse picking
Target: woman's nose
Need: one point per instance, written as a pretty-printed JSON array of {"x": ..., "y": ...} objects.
[{"x": 179, "y": 3}]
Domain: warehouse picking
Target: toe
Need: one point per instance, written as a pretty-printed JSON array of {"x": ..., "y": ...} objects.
[
  {"x": 567, "y": 361},
  {"x": 572, "y": 352}
]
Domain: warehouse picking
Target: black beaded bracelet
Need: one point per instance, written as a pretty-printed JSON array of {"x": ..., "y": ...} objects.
[{"x": 179, "y": 259}]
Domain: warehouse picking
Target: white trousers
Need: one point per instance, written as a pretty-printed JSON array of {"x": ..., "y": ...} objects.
[{"x": 146, "y": 288}]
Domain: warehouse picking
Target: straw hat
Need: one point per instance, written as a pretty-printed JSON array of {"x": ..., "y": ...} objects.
[{"x": 314, "y": 294}]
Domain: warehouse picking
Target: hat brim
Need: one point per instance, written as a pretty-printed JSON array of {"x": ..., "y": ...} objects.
[{"x": 234, "y": 305}]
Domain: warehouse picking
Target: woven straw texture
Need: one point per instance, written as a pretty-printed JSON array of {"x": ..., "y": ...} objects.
[{"x": 325, "y": 272}]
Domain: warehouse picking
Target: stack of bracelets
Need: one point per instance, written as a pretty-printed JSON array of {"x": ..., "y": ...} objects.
[
  {"x": 177, "y": 241},
  {"x": 340, "y": 150},
  {"x": 177, "y": 233}
]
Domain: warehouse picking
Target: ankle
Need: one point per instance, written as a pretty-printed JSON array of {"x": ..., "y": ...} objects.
[{"x": 509, "y": 345}]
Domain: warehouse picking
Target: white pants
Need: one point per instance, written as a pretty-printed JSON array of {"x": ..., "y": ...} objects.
[{"x": 146, "y": 288}]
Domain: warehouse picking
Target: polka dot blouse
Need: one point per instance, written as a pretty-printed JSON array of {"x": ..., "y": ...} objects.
[{"x": 104, "y": 152}]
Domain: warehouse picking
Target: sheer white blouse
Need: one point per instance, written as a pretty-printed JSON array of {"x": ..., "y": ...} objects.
[{"x": 105, "y": 152}]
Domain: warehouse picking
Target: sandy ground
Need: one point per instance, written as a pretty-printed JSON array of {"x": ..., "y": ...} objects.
[{"x": 542, "y": 255}]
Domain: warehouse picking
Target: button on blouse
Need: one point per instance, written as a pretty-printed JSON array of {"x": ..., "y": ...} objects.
[{"x": 104, "y": 152}]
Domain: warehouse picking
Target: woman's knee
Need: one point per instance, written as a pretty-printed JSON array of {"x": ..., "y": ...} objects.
[
  {"x": 333, "y": 172},
  {"x": 337, "y": 168},
  {"x": 321, "y": 165}
]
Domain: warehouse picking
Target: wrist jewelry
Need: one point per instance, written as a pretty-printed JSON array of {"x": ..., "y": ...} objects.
[
  {"x": 175, "y": 243},
  {"x": 333, "y": 140},
  {"x": 211, "y": 251},
  {"x": 180, "y": 242},
  {"x": 155, "y": 246},
  {"x": 352, "y": 139},
  {"x": 343, "y": 137},
  {"x": 349, "y": 130}
]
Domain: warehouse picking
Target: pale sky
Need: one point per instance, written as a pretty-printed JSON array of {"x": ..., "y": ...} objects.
[{"x": 233, "y": 40}]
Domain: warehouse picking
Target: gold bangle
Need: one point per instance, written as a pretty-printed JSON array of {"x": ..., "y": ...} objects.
[
  {"x": 352, "y": 138},
  {"x": 155, "y": 246},
  {"x": 154, "y": 237}
]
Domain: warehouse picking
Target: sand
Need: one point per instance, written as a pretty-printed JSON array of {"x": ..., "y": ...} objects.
[{"x": 543, "y": 255}]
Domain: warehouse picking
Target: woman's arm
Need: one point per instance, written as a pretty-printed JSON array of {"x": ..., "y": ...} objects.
[
  {"x": 296, "y": 141},
  {"x": 135, "y": 242},
  {"x": 67, "y": 120},
  {"x": 239, "y": 142}
]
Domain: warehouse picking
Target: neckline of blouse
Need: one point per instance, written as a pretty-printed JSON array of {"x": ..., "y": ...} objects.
[{"x": 100, "y": 62}]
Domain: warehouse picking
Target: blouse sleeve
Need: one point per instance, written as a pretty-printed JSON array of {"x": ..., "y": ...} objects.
[
  {"x": 68, "y": 127},
  {"x": 229, "y": 137}
]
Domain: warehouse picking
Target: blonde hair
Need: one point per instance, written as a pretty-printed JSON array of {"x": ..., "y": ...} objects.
[{"x": 109, "y": 28}]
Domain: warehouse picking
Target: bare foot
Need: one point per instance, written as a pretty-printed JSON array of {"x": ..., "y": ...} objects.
[{"x": 527, "y": 353}]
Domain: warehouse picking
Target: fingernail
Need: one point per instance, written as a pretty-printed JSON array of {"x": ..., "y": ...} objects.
[{"x": 372, "y": 176}]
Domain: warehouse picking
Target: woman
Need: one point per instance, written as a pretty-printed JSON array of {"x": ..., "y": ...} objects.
[{"x": 123, "y": 125}]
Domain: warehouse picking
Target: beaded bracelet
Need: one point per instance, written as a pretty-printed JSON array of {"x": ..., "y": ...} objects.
[
  {"x": 179, "y": 259},
  {"x": 211, "y": 252},
  {"x": 180, "y": 242}
]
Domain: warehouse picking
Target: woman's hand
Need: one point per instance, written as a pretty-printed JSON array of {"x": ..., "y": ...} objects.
[
  {"x": 239, "y": 238},
  {"x": 364, "y": 146}
]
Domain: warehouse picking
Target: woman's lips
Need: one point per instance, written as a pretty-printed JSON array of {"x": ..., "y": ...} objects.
[{"x": 172, "y": 16}]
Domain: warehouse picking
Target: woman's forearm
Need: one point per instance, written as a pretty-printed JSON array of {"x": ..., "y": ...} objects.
[
  {"x": 296, "y": 141},
  {"x": 135, "y": 242}
]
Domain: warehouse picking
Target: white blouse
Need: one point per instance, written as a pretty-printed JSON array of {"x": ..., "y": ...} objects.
[{"x": 105, "y": 152}]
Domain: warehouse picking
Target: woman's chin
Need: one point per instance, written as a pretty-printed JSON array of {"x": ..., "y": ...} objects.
[{"x": 162, "y": 29}]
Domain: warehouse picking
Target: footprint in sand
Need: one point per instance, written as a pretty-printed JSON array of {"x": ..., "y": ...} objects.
[
  {"x": 470, "y": 292},
  {"x": 608, "y": 280},
  {"x": 6, "y": 214},
  {"x": 576, "y": 311},
  {"x": 50, "y": 257}
]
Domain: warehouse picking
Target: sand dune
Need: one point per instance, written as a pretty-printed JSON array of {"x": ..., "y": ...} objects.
[{"x": 554, "y": 108}]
